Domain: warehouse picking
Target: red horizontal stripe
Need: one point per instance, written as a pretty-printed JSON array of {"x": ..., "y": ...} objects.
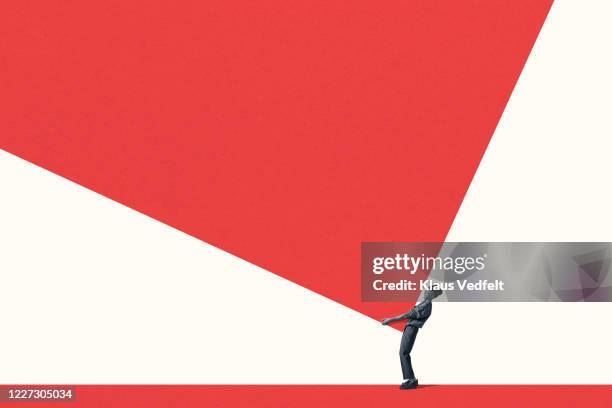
[{"x": 335, "y": 395}]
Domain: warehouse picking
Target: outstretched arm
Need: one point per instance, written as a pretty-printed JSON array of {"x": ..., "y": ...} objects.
[
  {"x": 390, "y": 320},
  {"x": 415, "y": 312}
]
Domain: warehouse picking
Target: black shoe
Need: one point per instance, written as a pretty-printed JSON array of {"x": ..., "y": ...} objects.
[{"x": 410, "y": 384}]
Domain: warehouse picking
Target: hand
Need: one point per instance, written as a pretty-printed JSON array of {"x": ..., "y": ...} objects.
[{"x": 387, "y": 321}]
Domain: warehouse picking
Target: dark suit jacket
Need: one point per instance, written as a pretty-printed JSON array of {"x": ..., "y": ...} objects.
[{"x": 419, "y": 314}]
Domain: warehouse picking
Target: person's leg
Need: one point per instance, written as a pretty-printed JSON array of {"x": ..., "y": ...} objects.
[{"x": 406, "y": 344}]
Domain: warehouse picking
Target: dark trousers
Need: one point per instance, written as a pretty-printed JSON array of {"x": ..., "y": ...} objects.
[{"x": 406, "y": 344}]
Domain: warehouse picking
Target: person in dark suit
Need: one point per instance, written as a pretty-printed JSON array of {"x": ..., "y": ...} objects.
[{"x": 417, "y": 316}]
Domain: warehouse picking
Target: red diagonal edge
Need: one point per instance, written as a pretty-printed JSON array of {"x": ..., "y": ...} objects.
[{"x": 283, "y": 132}]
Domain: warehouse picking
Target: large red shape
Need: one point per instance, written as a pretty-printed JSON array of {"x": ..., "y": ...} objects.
[{"x": 285, "y": 132}]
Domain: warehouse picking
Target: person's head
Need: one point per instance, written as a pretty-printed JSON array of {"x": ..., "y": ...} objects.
[{"x": 431, "y": 294}]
